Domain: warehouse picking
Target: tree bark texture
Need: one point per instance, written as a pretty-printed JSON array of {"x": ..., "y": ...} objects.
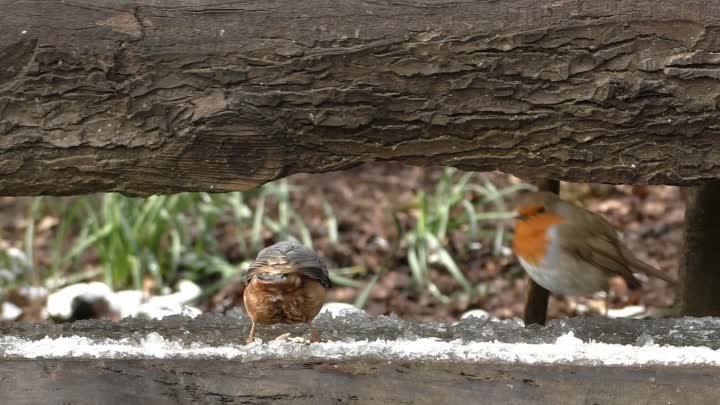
[
  {"x": 150, "y": 97},
  {"x": 700, "y": 269}
]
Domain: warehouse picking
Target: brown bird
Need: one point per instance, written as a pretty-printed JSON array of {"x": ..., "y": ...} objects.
[
  {"x": 570, "y": 250},
  {"x": 285, "y": 284}
]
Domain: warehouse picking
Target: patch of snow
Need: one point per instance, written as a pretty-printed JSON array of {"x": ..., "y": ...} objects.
[
  {"x": 17, "y": 263},
  {"x": 475, "y": 313},
  {"x": 566, "y": 350},
  {"x": 626, "y": 312},
  {"x": 33, "y": 292},
  {"x": 186, "y": 292},
  {"x": 127, "y": 302},
  {"x": 160, "y": 306},
  {"x": 17, "y": 255},
  {"x": 59, "y": 303},
  {"x": 155, "y": 311},
  {"x": 9, "y": 311},
  {"x": 336, "y": 309},
  {"x": 190, "y": 312}
]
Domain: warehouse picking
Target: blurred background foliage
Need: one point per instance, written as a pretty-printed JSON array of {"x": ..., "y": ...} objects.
[
  {"x": 124, "y": 241},
  {"x": 443, "y": 239}
]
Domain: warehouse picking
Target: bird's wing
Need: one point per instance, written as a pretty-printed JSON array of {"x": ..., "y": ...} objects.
[
  {"x": 291, "y": 255},
  {"x": 608, "y": 235},
  {"x": 643, "y": 267},
  {"x": 601, "y": 250}
]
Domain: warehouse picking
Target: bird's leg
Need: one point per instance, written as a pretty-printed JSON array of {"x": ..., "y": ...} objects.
[
  {"x": 607, "y": 303},
  {"x": 314, "y": 334},
  {"x": 609, "y": 295},
  {"x": 251, "y": 338}
]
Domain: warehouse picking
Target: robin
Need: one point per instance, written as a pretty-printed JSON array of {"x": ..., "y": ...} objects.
[
  {"x": 572, "y": 251},
  {"x": 285, "y": 284}
]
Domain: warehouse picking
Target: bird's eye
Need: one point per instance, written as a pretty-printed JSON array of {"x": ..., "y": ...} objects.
[{"x": 541, "y": 210}]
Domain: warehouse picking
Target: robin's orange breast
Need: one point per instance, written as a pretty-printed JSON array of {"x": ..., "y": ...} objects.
[
  {"x": 270, "y": 304},
  {"x": 531, "y": 241}
]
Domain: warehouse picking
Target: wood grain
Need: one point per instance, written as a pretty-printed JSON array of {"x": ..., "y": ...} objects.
[
  {"x": 142, "y": 97},
  {"x": 214, "y": 382}
]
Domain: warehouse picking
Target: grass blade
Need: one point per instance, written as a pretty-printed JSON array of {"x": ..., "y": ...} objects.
[
  {"x": 332, "y": 223},
  {"x": 364, "y": 295}
]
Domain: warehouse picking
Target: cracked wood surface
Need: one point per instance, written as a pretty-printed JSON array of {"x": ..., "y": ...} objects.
[
  {"x": 218, "y": 382},
  {"x": 358, "y": 379},
  {"x": 144, "y": 97}
]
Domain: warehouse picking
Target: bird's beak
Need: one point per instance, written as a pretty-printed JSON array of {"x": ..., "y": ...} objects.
[{"x": 520, "y": 217}]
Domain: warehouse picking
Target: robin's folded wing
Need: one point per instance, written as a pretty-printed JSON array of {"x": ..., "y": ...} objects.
[
  {"x": 319, "y": 274},
  {"x": 605, "y": 231},
  {"x": 603, "y": 252},
  {"x": 294, "y": 256},
  {"x": 308, "y": 264},
  {"x": 643, "y": 267}
]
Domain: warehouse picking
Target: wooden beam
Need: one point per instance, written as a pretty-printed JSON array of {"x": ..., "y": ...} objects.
[
  {"x": 161, "y": 382},
  {"x": 700, "y": 268},
  {"x": 95, "y": 362},
  {"x": 141, "y": 97}
]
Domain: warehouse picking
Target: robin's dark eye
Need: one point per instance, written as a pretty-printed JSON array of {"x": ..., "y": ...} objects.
[{"x": 541, "y": 210}]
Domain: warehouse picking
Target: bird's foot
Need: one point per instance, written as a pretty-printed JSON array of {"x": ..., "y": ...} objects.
[
  {"x": 285, "y": 337},
  {"x": 254, "y": 341}
]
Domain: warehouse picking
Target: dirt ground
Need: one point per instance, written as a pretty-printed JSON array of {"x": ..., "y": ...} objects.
[
  {"x": 365, "y": 198},
  {"x": 376, "y": 204}
]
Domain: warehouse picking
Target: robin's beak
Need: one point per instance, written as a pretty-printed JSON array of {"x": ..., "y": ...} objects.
[{"x": 520, "y": 217}]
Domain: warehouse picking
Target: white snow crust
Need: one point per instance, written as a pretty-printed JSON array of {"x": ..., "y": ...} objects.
[{"x": 567, "y": 349}]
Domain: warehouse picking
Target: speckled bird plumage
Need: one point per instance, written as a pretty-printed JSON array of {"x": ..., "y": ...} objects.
[{"x": 285, "y": 284}]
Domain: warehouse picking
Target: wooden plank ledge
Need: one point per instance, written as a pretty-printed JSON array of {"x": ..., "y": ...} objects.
[{"x": 366, "y": 359}]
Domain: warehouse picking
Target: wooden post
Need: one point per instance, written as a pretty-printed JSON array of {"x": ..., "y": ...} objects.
[
  {"x": 700, "y": 269},
  {"x": 536, "y": 302}
]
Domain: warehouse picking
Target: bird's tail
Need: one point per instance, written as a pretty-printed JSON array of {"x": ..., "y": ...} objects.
[
  {"x": 272, "y": 277},
  {"x": 270, "y": 274},
  {"x": 642, "y": 267}
]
